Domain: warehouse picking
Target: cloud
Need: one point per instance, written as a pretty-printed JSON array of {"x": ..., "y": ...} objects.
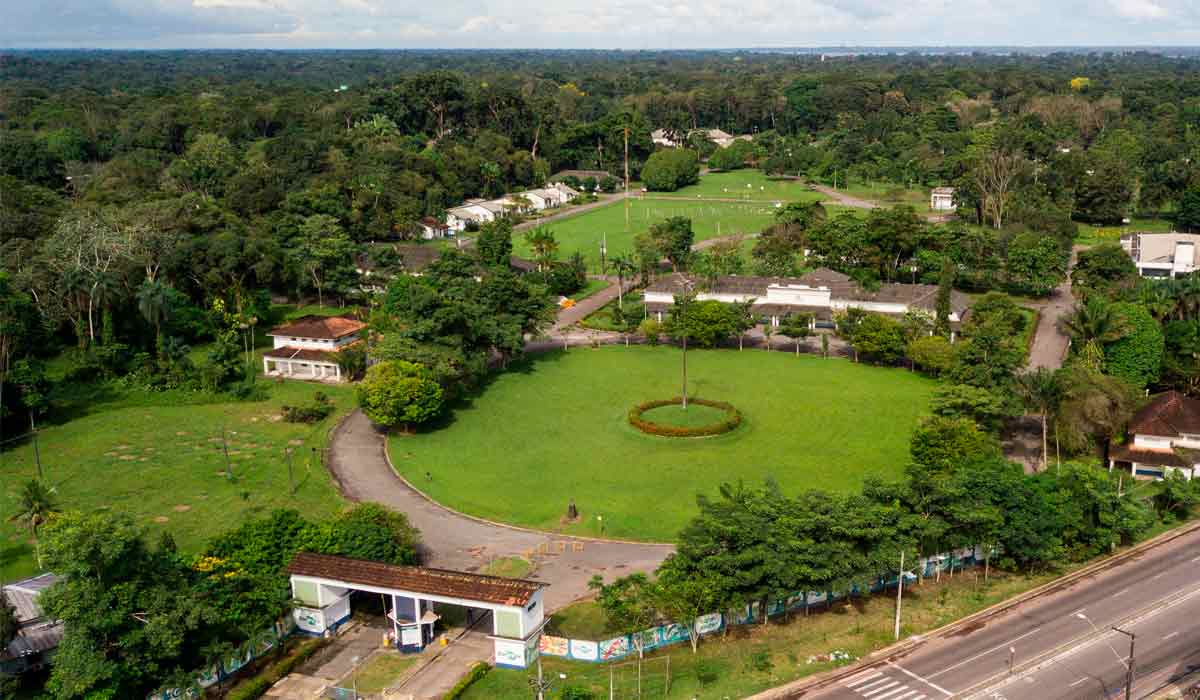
[
  {"x": 1139, "y": 9},
  {"x": 590, "y": 23}
]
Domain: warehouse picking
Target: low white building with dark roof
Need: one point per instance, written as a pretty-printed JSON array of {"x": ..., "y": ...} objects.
[
  {"x": 820, "y": 293},
  {"x": 37, "y": 637}
]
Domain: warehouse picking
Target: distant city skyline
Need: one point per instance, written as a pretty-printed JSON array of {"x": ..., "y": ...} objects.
[{"x": 592, "y": 24}]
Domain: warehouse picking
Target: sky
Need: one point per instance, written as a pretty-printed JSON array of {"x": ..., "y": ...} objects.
[{"x": 593, "y": 24}]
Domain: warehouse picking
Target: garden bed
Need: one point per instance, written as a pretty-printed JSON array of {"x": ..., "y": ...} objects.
[{"x": 669, "y": 418}]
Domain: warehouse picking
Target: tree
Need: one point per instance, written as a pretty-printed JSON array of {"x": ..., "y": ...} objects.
[
  {"x": 796, "y": 327},
  {"x": 624, "y": 266},
  {"x": 629, "y": 604},
  {"x": 1092, "y": 325},
  {"x": 1187, "y": 215},
  {"x": 130, "y": 616},
  {"x": 399, "y": 393},
  {"x": 1036, "y": 264},
  {"x": 1104, "y": 269},
  {"x": 325, "y": 254},
  {"x": 493, "y": 245},
  {"x": 374, "y": 532},
  {"x": 544, "y": 246},
  {"x": 684, "y": 597},
  {"x": 1137, "y": 355},
  {"x": 154, "y": 303},
  {"x": 993, "y": 172},
  {"x": 880, "y": 338},
  {"x": 1105, "y": 193},
  {"x": 9, "y": 624},
  {"x": 705, "y": 323},
  {"x": 34, "y": 509},
  {"x": 944, "y": 297},
  {"x": 940, "y": 444},
  {"x": 1095, "y": 408},
  {"x": 670, "y": 169},
  {"x": 1041, "y": 393},
  {"x": 206, "y": 166},
  {"x": 673, "y": 237},
  {"x": 966, "y": 401},
  {"x": 728, "y": 158}
]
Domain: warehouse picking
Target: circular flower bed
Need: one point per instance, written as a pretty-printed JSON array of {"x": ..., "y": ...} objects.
[{"x": 639, "y": 418}]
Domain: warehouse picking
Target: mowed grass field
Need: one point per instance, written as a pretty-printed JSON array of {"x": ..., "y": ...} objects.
[
  {"x": 746, "y": 184},
  {"x": 160, "y": 458},
  {"x": 555, "y": 429},
  {"x": 586, "y": 232}
]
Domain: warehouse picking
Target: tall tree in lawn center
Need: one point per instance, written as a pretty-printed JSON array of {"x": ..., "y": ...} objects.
[{"x": 688, "y": 289}]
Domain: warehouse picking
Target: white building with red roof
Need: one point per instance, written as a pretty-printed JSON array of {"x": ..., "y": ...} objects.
[
  {"x": 1164, "y": 438},
  {"x": 308, "y": 347}
]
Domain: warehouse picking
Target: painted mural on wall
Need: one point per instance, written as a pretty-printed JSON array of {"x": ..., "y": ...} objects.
[
  {"x": 251, "y": 649},
  {"x": 674, "y": 633}
]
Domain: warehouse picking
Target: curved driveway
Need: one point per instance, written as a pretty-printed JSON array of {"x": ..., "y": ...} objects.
[{"x": 455, "y": 541}]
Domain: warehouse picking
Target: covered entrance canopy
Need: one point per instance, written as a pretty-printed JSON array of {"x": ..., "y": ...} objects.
[{"x": 321, "y": 585}]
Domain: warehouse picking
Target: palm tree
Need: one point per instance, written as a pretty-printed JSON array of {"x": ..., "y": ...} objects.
[
  {"x": 544, "y": 246},
  {"x": 624, "y": 266},
  {"x": 35, "y": 508},
  {"x": 154, "y": 303},
  {"x": 1093, "y": 324},
  {"x": 1040, "y": 392}
]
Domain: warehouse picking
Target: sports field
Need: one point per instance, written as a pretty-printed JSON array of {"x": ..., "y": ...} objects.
[
  {"x": 556, "y": 429},
  {"x": 747, "y": 184},
  {"x": 585, "y": 233}
]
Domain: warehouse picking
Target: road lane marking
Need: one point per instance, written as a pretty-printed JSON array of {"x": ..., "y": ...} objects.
[
  {"x": 861, "y": 688},
  {"x": 998, "y": 647},
  {"x": 1158, "y": 575},
  {"x": 891, "y": 692},
  {"x": 907, "y": 695},
  {"x": 1170, "y": 635},
  {"x": 1196, "y": 558},
  {"x": 1078, "y": 611},
  {"x": 1123, "y": 591},
  {"x": 1081, "y": 680},
  {"x": 914, "y": 676},
  {"x": 880, "y": 689},
  {"x": 861, "y": 678}
]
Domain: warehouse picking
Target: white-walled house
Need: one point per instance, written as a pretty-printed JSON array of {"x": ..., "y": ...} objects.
[
  {"x": 1165, "y": 438},
  {"x": 820, "y": 293},
  {"x": 458, "y": 217},
  {"x": 942, "y": 199},
  {"x": 431, "y": 228},
  {"x": 1162, "y": 255},
  {"x": 307, "y": 348}
]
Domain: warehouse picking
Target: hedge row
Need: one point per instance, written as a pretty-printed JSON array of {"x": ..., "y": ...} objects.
[
  {"x": 479, "y": 670},
  {"x": 733, "y": 418}
]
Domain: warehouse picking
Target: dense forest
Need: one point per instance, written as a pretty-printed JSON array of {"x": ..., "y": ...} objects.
[{"x": 152, "y": 199}]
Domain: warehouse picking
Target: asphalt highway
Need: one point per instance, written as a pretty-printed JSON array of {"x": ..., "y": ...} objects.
[{"x": 1060, "y": 645}]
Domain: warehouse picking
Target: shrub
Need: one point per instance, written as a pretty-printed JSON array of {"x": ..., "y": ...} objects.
[
  {"x": 479, "y": 670},
  {"x": 318, "y": 410},
  {"x": 399, "y": 392},
  {"x": 707, "y": 672},
  {"x": 574, "y": 692},
  {"x": 651, "y": 329},
  {"x": 254, "y": 687},
  {"x": 733, "y": 418}
]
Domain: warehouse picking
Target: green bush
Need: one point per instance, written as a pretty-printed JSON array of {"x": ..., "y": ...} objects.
[
  {"x": 733, "y": 418},
  {"x": 318, "y": 410},
  {"x": 479, "y": 670}
]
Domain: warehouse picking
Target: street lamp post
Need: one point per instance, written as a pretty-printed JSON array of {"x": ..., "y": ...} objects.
[
  {"x": 1129, "y": 665},
  {"x": 687, "y": 286},
  {"x": 1128, "y": 672}
]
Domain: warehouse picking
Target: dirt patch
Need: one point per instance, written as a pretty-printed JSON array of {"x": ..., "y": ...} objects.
[
  {"x": 162, "y": 519},
  {"x": 181, "y": 508},
  {"x": 181, "y": 433},
  {"x": 128, "y": 457},
  {"x": 121, "y": 447},
  {"x": 295, "y": 442}
]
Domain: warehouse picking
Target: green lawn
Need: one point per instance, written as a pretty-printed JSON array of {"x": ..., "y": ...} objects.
[
  {"x": 746, "y": 184},
  {"x": 586, "y": 232},
  {"x": 1092, "y": 235},
  {"x": 509, "y": 567},
  {"x": 383, "y": 670},
  {"x": 695, "y": 416},
  {"x": 888, "y": 194},
  {"x": 159, "y": 457},
  {"x": 556, "y": 429}
]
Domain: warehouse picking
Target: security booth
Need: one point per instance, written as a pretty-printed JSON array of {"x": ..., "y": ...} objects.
[{"x": 322, "y": 584}]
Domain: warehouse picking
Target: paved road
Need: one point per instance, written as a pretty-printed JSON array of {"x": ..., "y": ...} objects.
[
  {"x": 1142, "y": 592},
  {"x": 1050, "y": 343},
  {"x": 452, "y": 540}
]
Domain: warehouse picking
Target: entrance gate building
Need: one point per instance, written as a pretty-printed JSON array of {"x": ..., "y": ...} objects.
[{"x": 322, "y": 583}]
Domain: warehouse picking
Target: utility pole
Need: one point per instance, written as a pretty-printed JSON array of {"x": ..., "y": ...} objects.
[
  {"x": 626, "y": 178},
  {"x": 683, "y": 304},
  {"x": 37, "y": 454},
  {"x": 1129, "y": 665},
  {"x": 899, "y": 593},
  {"x": 291, "y": 472}
]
